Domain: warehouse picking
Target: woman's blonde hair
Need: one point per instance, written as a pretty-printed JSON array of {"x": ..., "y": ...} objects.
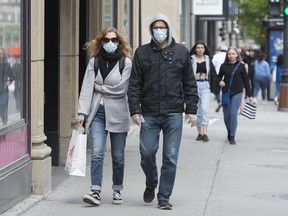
[
  {"x": 239, "y": 57},
  {"x": 94, "y": 46}
]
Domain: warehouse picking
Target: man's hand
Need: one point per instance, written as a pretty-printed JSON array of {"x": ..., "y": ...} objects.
[
  {"x": 138, "y": 119},
  {"x": 191, "y": 119}
]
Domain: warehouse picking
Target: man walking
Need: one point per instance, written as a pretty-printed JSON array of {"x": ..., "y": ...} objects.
[
  {"x": 161, "y": 83},
  {"x": 218, "y": 59}
]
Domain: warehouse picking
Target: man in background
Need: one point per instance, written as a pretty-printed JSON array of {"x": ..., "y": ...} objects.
[{"x": 218, "y": 60}]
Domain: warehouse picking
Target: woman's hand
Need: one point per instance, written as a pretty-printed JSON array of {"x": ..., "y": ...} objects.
[
  {"x": 97, "y": 87},
  {"x": 79, "y": 122},
  {"x": 222, "y": 83}
]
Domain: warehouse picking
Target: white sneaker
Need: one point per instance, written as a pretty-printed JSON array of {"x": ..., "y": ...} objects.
[
  {"x": 92, "y": 198},
  {"x": 117, "y": 198}
]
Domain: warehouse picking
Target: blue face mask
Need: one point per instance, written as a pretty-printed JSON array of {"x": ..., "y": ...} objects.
[
  {"x": 110, "y": 47},
  {"x": 160, "y": 35}
]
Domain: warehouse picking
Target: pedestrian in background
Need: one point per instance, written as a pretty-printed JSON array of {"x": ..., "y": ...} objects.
[
  {"x": 239, "y": 80},
  {"x": 18, "y": 76},
  {"x": 277, "y": 77},
  {"x": 6, "y": 78},
  {"x": 161, "y": 83},
  {"x": 205, "y": 74},
  {"x": 218, "y": 59},
  {"x": 250, "y": 61},
  {"x": 103, "y": 104},
  {"x": 262, "y": 76}
]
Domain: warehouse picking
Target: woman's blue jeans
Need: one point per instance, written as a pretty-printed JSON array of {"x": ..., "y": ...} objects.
[
  {"x": 260, "y": 82},
  {"x": 98, "y": 136},
  {"x": 171, "y": 126},
  {"x": 203, "y": 103},
  {"x": 231, "y": 112}
]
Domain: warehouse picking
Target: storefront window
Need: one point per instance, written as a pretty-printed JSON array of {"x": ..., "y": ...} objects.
[
  {"x": 13, "y": 130},
  {"x": 10, "y": 62}
]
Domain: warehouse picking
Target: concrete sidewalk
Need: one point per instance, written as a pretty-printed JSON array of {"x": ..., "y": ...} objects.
[{"x": 213, "y": 178}]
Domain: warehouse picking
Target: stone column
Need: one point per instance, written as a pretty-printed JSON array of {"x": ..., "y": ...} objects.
[
  {"x": 69, "y": 57},
  {"x": 41, "y": 161}
]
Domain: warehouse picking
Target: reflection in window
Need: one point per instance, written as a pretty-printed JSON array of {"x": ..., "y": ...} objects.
[
  {"x": 108, "y": 13},
  {"x": 11, "y": 79},
  {"x": 126, "y": 18}
]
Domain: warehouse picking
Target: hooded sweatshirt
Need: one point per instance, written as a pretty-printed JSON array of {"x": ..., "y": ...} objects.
[{"x": 166, "y": 20}]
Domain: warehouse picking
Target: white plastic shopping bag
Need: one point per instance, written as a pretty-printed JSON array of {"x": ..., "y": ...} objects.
[{"x": 76, "y": 156}]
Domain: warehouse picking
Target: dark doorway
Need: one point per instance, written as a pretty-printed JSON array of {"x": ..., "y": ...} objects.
[
  {"x": 51, "y": 78},
  {"x": 83, "y": 32}
]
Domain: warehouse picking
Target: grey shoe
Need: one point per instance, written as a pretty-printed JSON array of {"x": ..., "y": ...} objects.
[
  {"x": 164, "y": 205},
  {"x": 205, "y": 138},
  {"x": 199, "y": 137},
  {"x": 149, "y": 194}
]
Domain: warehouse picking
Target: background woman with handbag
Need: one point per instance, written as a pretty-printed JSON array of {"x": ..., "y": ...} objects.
[
  {"x": 262, "y": 77},
  {"x": 239, "y": 80},
  {"x": 103, "y": 104},
  {"x": 205, "y": 74}
]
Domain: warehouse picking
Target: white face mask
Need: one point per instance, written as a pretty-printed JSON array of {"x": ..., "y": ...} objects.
[
  {"x": 160, "y": 35},
  {"x": 110, "y": 47}
]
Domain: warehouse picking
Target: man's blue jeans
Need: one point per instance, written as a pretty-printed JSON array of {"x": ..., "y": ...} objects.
[
  {"x": 230, "y": 112},
  {"x": 98, "y": 136},
  {"x": 171, "y": 126}
]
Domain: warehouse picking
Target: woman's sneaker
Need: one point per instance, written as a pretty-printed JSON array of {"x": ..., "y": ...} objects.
[
  {"x": 117, "y": 198},
  {"x": 92, "y": 198}
]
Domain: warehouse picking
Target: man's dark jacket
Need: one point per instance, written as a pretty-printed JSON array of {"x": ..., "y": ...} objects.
[{"x": 162, "y": 81}]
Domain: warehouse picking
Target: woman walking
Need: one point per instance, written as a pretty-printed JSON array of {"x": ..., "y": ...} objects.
[
  {"x": 262, "y": 76},
  {"x": 234, "y": 71},
  {"x": 205, "y": 74},
  {"x": 103, "y": 104}
]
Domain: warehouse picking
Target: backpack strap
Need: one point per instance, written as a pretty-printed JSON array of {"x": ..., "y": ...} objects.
[
  {"x": 121, "y": 64},
  {"x": 96, "y": 65}
]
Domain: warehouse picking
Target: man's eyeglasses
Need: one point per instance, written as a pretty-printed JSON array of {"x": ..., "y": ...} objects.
[
  {"x": 107, "y": 40},
  {"x": 160, "y": 27}
]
